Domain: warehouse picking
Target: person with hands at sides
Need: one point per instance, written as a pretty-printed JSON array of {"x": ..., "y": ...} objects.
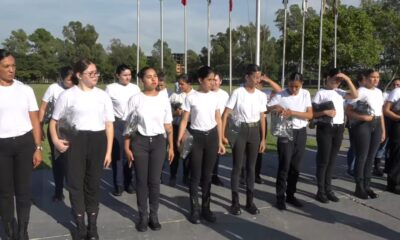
[
  {"x": 146, "y": 149},
  {"x": 203, "y": 109},
  {"x": 249, "y": 106},
  {"x": 88, "y": 150},
  {"x": 330, "y": 136},
  {"x": 20, "y": 148},
  {"x": 368, "y": 132},
  {"x": 295, "y": 103}
]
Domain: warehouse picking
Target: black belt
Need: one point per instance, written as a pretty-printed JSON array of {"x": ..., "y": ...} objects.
[
  {"x": 250, "y": 125},
  {"x": 203, "y": 132}
]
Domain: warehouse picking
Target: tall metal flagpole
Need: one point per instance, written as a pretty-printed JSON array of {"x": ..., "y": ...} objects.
[
  {"x": 185, "y": 26},
  {"x": 320, "y": 42},
  {"x": 335, "y": 39},
  {"x": 305, "y": 6},
  {"x": 208, "y": 33},
  {"x": 258, "y": 10},
  {"x": 230, "y": 46},
  {"x": 138, "y": 41},
  {"x": 162, "y": 34},
  {"x": 284, "y": 45}
]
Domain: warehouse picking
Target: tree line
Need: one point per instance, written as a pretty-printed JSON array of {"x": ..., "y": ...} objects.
[{"x": 367, "y": 38}]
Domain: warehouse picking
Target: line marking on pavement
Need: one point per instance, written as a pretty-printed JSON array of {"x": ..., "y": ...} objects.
[{"x": 52, "y": 237}]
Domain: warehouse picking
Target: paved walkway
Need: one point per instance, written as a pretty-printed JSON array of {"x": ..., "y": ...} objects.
[{"x": 351, "y": 218}]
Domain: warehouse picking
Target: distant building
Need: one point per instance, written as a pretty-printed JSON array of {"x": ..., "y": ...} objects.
[{"x": 180, "y": 62}]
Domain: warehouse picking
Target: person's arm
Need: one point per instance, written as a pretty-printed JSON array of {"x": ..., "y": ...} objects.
[
  {"x": 387, "y": 111},
  {"x": 42, "y": 111},
  {"x": 383, "y": 137},
  {"x": 262, "y": 129},
  {"x": 37, "y": 137},
  {"x": 307, "y": 115},
  {"x": 275, "y": 87},
  {"x": 221, "y": 148},
  {"x": 182, "y": 127},
  {"x": 128, "y": 150},
  {"x": 110, "y": 138},
  {"x": 330, "y": 113},
  {"x": 60, "y": 144},
  {"x": 353, "y": 93},
  {"x": 170, "y": 138},
  {"x": 225, "y": 116},
  {"x": 276, "y": 108}
]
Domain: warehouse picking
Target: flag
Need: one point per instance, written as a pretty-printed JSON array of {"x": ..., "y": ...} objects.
[
  {"x": 183, "y": 2},
  {"x": 230, "y": 5}
]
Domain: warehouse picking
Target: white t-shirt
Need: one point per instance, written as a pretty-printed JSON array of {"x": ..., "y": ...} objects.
[
  {"x": 153, "y": 112},
  {"x": 120, "y": 96},
  {"x": 16, "y": 101},
  {"x": 337, "y": 97},
  {"x": 247, "y": 106},
  {"x": 53, "y": 92},
  {"x": 179, "y": 98},
  {"x": 89, "y": 110},
  {"x": 298, "y": 103},
  {"x": 373, "y": 97},
  {"x": 223, "y": 97},
  {"x": 394, "y": 98},
  {"x": 202, "y": 107}
]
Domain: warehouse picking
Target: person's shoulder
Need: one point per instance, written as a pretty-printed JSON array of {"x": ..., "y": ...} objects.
[{"x": 132, "y": 85}]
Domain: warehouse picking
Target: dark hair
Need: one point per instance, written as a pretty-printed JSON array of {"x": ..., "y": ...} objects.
[
  {"x": 333, "y": 72},
  {"x": 80, "y": 67},
  {"x": 369, "y": 71},
  {"x": 251, "y": 68},
  {"x": 219, "y": 75},
  {"x": 296, "y": 76},
  {"x": 65, "y": 72},
  {"x": 121, "y": 68},
  {"x": 161, "y": 76},
  {"x": 143, "y": 71},
  {"x": 4, "y": 53},
  {"x": 204, "y": 71},
  {"x": 185, "y": 78}
]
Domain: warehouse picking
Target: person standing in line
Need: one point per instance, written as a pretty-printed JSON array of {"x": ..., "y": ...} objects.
[
  {"x": 20, "y": 148},
  {"x": 120, "y": 92},
  {"x": 162, "y": 85},
  {"x": 293, "y": 103},
  {"x": 202, "y": 107},
  {"x": 223, "y": 97},
  {"x": 177, "y": 100},
  {"x": 249, "y": 106},
  {"x": 368, "y": 132},
  {"x": 45, "y": 111},
  {"x": 88, "y": 147},
  {"x": 330, "y": 135},
  {"x": 146, "y": 149}
]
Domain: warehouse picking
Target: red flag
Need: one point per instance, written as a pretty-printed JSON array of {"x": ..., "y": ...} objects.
[
  {"x": 230, "y": 5},
  {"x": 183, "y": 2}
]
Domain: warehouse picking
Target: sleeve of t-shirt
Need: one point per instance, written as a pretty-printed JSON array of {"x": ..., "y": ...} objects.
[
  {"x": 317, "y": 98},
  {"x": 233, "y": 100},
  {"x": 48, "y": 94},
  {"x": 32, "y": 100},
  {"x": 109, "y": 111},
  {"x": 107, "y": 90},
  {"x": 168, "y": 114},
  {"x": 308, "y": 99},
  {"x": 61, "y": 104},
  {"x": 129, "y": 108},
  {"x": 393, "y": 96},
  {"x": 341, "y": 92},
  {"x": 275, "y": 100},
  {"x": 186, "y": 104}
]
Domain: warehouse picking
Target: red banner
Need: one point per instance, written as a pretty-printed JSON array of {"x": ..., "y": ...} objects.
[
  {"x": 183, "y": 2},
  {"x": 230, "y": 5}
]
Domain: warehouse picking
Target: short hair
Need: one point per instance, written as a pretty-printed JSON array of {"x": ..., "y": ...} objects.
[
  {"x": 65, "y": 72},
  {"x": 79, "y": 67},
  {"x": 143, "y": 71},
  {"x": 204, "y": 71},
  {"x": 4, "y": 53},
  {"x": 251, "y": 68},
  {"x": 122, "y": 67},
  {"x": 296, "y": 76},
  {"x": 185, "y": 78},
  {"x": 219, "y": 75},
  {"x": 161, "y": 76}
]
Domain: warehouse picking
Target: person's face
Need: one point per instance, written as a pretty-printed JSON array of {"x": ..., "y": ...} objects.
[
  {"x": 207, "y": 83},
  {"x": 294, "y": 87},
  {"x": 217, "y": 82},
  {"x": 125, "y": 77},
  {"x": 150, "y": 80},
  {"x": 332, "y": 82},
  {"x": 184, "y": 86},
  {"x": 161, "y": 85},
  {"x": 7, "y": 69},
  {"x": 67, "y": 82},
  {"x": 396, "y": 84},
  {"x": 253, "y": 79},
  {"x": 372, "y": 80},
  {"x": 89, "y": 77}
]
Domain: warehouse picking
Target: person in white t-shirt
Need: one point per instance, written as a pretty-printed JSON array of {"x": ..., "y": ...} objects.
[
  {"x": 368, "y": 132},
  {"x": 88, "y": 112},
  {"x": 330, "y": 135},
  {"x": 203, "y": 109},
  {"x": 20, "y": 148},
  {"x": 223, "y": 97},
  {"x": 391, "y": 110},
  {"x": 162, "y": 85},
  {"x": 45, "y": 111},
  {"x": 248, "y": 106},
  {"x": 120, "y": 92},
  {"x": 177, "y": 100},
  {"x": 146, "y": 149},
  {"x": 294, "y": 103}
]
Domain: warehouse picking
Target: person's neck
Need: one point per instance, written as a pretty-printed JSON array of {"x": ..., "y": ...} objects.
[
  {"x": 6, "y": 83},
  {"x": 85, "y": 88},
  {"x": 150, "y": 92},
  {"x": 203, "y": 90},
  {"x": 249, "y": 88}
]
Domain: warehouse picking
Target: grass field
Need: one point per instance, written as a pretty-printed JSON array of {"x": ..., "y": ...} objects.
[{"x": 40, "y": 89}]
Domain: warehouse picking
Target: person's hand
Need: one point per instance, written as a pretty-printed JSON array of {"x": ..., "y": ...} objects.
[
  {"x": 107, "y": 160},
  {"x": 261, "y": 149},
  {"x": 265, "y": 78},
  {"x": 221, "y": 149},
  {"x": 179, "y": 143},
  {"x": 330, "y": 113},
  {"x": 37, "y": 158},
  {"x": 129, "y": 157},
  {"x": 367, "y": 118},
  {"x": 171, "y": 155},
  {"x": 61, "y": 145},
  {"x": 342, "y": 76},
  {"x": 225, "y": 140},
  {"x": 287, "y": 113},
  {"x": 383, "y": 136},
  {"x": 279, "y": 109}
]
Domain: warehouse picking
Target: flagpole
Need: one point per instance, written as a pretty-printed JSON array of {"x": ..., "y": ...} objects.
[
  {"x": 230, "y": 46},
  {"x": 302, "y": 36},
  {"x": 258, "y": 11},
  {"x": 335, "y": 39},
  {"x": 185, "y": 32},
  {"x": 208, "y": 33},
  {"x": 320, "y": 42},
  {"x": 138, "y": 41},
  {"x": 284, "y": 45},
  {"x": 162, "y": 34}
]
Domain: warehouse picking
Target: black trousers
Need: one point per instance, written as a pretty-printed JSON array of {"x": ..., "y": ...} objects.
[
  {"x": 394, "y": 156},
  {"x": 149, "y": 154},
  {"x": 16, "y": 176},
  {"x": 367, "y": 137},
  {"x": 58, "y": 162},
  {"x": 204, "y": 152},
  {"x": 122, "y": 173},
  {"x": 85, "y": 158},
  {"x": 329, "y": 140},
  {"x": 175, "y": 162},
  {"x": 245, "y": 149},
  {"x": 290, "y": 154}
]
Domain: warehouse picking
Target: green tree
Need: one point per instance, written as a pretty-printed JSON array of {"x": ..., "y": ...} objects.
[{"x": 169, "y": 61}]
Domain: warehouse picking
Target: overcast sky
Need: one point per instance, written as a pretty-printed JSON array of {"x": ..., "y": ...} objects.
[{"x": 117, "y": 18}]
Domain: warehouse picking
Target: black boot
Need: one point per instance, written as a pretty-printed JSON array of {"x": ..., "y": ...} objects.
[
  {"x": 92, "y": 233},
  {"x": 154, "y": 224},
  {"x": 368, "y": 189},
  {"x": 143, "y": 223},
  {"x": 23, "y": 230},
  {"x": 206, "y": 212},
  {"x": 235, "y": 208},
  {"x": 9, "y": 228},
  {"x": 81, "y": 232},
  {"x": 250, "y": 206},
  {"x": 360, "y": 190},
  {"x": 194, "y": 210}
]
